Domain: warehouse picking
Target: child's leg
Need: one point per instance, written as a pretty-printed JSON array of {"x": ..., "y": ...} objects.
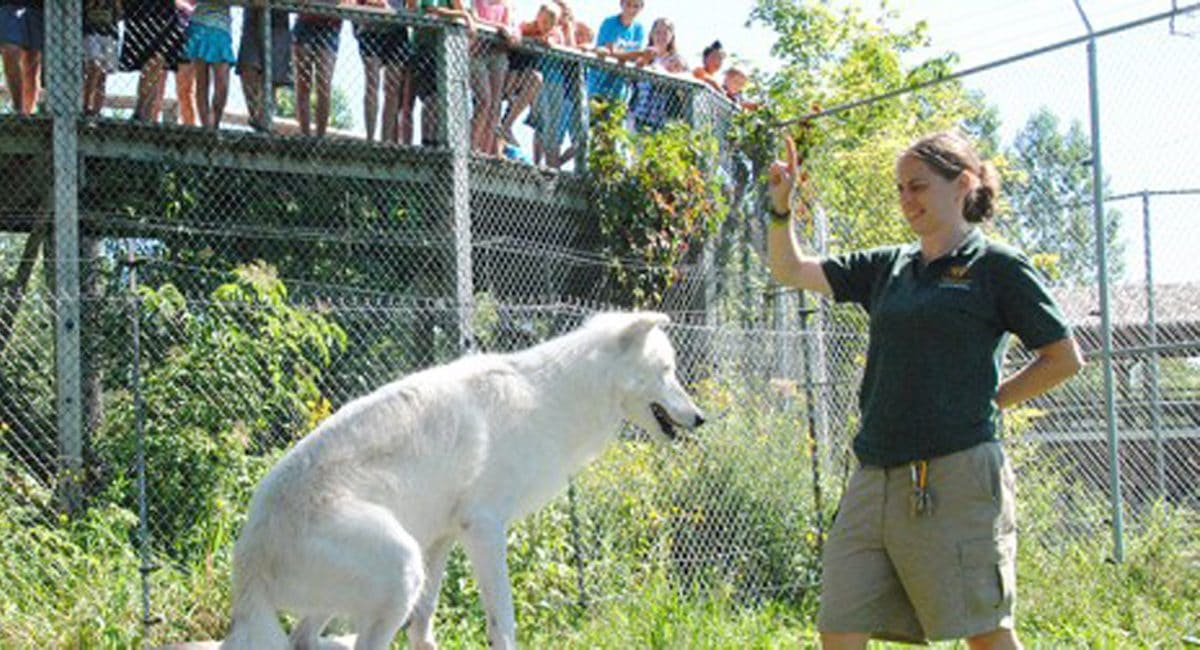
[
  {"x": 528, "y": 83},
  {"x": 202, "y": 71},
  {"x": 252, "y": 90},
  {"x": 481, "y": 90},
  {"x": 12, "y": 74},
  {"x": 220, "y": 92},
  {"x": 327, "y": 59},
  {"x": 302, "y": 55},
  {"x": 371, "y": 69},
  {"x": 150, "y": 86},
  {"x": 185, "y": 91},
  {"x": 555, "y": 97},
  {"x": 31, "y": 75},
  {"x": 90, "y": 70},
  {"x": 498, "y": 73},
  {"x": 100, "y": 92},
  {"x": 395, "y": 90}
]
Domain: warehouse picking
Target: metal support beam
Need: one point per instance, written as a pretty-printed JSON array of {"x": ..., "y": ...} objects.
[
  {"x": 64, "y": 82},
  {"x": 1156, "y": 425},
  {"x": 1101, "y": 229},
  {"x": 455, "y": 107}
]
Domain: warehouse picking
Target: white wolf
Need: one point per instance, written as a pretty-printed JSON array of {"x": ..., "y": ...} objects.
[{"x": 357, "y": 519}]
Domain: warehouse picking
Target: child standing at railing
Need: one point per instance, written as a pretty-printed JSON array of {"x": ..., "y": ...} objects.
[
  {"x": 620, "y": 37},
  {"x": 584, "y": 41},
  {"x": 99, "y": 50},
  {"x": 652, "y": 102},
  {"x": 423, "y": 65},
  {"x": 385, "y": 50},
  {"x": 155, "y": 31},
  {"x": 315, "y": 40},
  {"x": 22, "y": 28},
  {"x": 209, "y": 53},
  {"x": 251, "y": 58},
  {"x": 710, "y": 65},
  {"x": 489, "y": 70},
  {"x": 526, "y": 76}
]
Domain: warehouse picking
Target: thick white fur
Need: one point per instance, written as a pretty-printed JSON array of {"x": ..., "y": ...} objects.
[{"x": 357, "y": 519}]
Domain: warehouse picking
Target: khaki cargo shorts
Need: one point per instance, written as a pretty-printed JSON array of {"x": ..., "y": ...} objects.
[{"x": 947, "y": 574}]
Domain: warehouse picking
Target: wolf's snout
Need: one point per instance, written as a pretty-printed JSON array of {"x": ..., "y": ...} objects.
[{"x": 699, "y": 419}]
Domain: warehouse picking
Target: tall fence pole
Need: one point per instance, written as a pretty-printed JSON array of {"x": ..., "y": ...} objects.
[
  {"x": 455, "y": 127},
  {"x": 64, "y": 76},
  {"x": 1160, "y": 463},
  {"x": 1101, "y": 228},
  {"x": 139, "y": 424}
]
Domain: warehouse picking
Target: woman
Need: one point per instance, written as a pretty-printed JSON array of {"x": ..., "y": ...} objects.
[{"x": 924, "y": 543}]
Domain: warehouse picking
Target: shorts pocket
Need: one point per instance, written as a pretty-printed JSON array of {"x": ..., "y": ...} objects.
[{"x": 988, "y": 574}]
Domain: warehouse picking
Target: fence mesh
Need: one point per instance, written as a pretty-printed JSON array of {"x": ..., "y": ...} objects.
[{"x": 292, "y": 256}]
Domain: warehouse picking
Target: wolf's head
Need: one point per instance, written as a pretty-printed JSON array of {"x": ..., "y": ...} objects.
[{"x": 649, "y": 393}]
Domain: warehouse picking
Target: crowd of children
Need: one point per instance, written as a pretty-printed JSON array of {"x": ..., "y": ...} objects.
[{"x": 193, "y": 38}]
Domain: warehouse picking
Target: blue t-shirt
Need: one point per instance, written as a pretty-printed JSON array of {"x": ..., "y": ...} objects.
[{"x": 623, "y": 39}]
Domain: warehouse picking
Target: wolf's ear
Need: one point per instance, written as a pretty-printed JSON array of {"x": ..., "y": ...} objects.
[{"x": 639, "y": 326}]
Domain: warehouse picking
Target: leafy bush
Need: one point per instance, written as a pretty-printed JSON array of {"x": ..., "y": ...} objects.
[
  {"x": 256, "y": 361},
  {"x": 659, "y": 194}
]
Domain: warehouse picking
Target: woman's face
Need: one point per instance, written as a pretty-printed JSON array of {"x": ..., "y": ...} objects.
[
  {"x": 928, "y": 201},
  {"x": 661, "y": 34},
  {"x": 546, "y": 21}
]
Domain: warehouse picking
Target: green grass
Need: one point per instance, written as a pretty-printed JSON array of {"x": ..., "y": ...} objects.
[
  {"x": 79, "y": 587},
  {"x": 75, "y": 583}
]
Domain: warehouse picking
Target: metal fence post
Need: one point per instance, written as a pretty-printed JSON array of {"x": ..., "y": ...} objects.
[
  {"x": 1160, "y": 463},
  {"x": 1114, "y": 457},
  {"x": 581, "y": 120},
  {"x": 268, "y": 82},
  {"x": 139, "y": 419},
  {"x": 64, "y": 83},
  {"x": 455, "y": 105}
]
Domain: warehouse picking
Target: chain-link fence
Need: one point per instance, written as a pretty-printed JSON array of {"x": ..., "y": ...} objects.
[{"x": 182, "y": 303}]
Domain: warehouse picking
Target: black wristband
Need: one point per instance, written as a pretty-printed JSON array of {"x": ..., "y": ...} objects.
[{"x": 780, "y": 217}]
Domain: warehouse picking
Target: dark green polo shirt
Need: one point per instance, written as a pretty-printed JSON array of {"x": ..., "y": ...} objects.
[{"x": 938, "y": 333}]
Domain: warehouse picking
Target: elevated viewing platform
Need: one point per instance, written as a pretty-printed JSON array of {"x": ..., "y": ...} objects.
[{"x": 420, "y": 195}]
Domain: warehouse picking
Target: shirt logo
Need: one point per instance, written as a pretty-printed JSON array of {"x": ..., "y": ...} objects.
[{"x": 956, "y": 277}]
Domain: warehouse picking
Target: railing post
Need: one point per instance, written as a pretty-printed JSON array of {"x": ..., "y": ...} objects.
[
  {"x": 455, "y": 131},
  {"x": 581, "y": 119},
  {"x": 64, "y": 83},
  {"x": 268, "y": 82}
]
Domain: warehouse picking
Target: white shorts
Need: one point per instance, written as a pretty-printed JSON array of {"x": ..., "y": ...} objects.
[{"x": 102, "y": 50}]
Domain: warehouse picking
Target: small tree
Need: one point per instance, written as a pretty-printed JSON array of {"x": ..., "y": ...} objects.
[{"x": 1049, "y": 186}]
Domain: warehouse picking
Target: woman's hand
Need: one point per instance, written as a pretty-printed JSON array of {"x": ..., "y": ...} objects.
[{"x": 782, "y": 177}]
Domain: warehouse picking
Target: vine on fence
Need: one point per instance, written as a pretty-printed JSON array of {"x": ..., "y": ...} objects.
[{"x": 658, "y": 194}]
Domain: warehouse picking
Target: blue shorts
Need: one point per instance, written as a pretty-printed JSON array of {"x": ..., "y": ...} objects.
[
  {"x": 316, "y": 37},
  {"x": 208, "y": 44},
  {"x": 22, "y": 26}
]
